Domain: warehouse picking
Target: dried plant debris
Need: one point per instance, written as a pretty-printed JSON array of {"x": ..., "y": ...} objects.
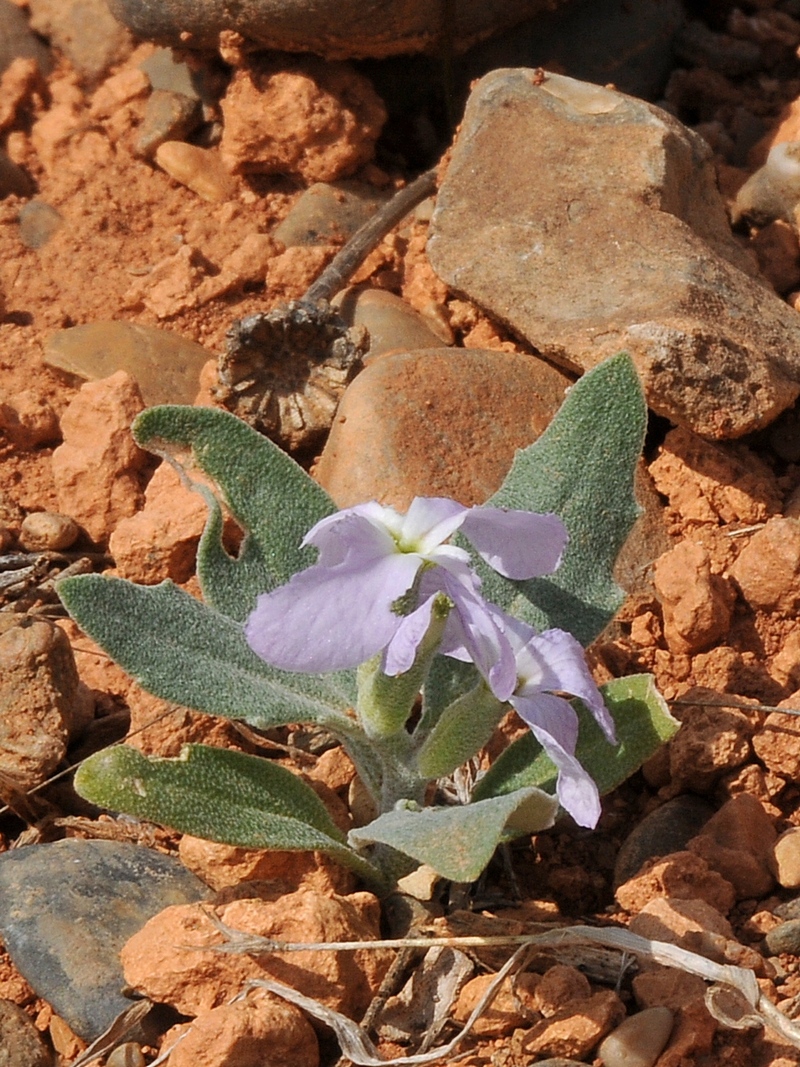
[{"x": 285, "y": 371}]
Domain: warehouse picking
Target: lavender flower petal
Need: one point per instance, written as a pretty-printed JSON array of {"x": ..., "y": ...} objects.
[
  {"x": 328, "y": 618},
  {"x": 554, "y": 724},
  {"x": 517, "y": 544}
]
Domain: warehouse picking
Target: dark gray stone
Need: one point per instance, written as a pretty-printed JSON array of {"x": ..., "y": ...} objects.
[
  {"x": 629, "y": 45},
  {"x": 665, "y": 830},
  {"x": 66, "y": 910},
  {"x": 334, "y": 29},
  {"x": 784, "y": 938},
  {"x": 168, "y": 116}
]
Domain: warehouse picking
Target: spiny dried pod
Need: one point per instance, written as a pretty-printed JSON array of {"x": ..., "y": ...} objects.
[{"x": 285, "y": 371}]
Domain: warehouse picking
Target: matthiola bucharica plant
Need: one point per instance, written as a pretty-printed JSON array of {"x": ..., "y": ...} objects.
[{"x": 407, "y": 636}]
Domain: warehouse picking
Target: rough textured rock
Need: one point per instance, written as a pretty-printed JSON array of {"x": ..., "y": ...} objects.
[
  {"x": 680, "y": 876},
  {"x": 576, "y": 1028},
  {"x": 98, "y": 468},
  {"x": 165, "y": 365},
  {"x": 27, "y": 420},
  {"x": 199, "y": 169},
  {"x": 160, "y": 541},
  {"x": 335, "y": 29},
  {"x": 696, "y": 604},
  {"x": 767, "y": 569},
  {"x": 21, "y": 1044},
  {"x": 156, "y": 961},
  {"x": 228, "y": 866},
  {"x": 313, "y": 120},
  {"x": 510, "y": 1009},
  {"x": 259, "y": 1030},
  {"x": 42, "y": 701},
  {"x": 607, "y": 233},
  {"x": 710, "y": 742},
  {"x": 436, "y": 422},
  {"x": 777, "y": 743},
  {"x": 714, "y": 483},
  {"x": 737, "y": 842}
]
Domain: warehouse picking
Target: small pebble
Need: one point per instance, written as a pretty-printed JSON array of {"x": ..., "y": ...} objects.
[
  {"x": 168, "y": 116},
  {"x": 639, "y": 1040},
  {"x": 773, "y": 191},
  {"x": 392, "y": 324},
  {"x": 165, "y": 365},
  {"x": 327, "y": 211},
  {"x": 199, "y": 169},
  {"x": 45, "y": 531},
  {"x": 166, "y": 72},
  {"x": 784, "y": 938},
  {"x": 786, "y": 855},
  {"x": 21, "y": 1044},
  {"x": 128, "y": 1055},
  {"x": 38, "y": 222}
]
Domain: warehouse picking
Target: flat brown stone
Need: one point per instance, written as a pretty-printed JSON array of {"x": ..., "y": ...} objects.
[{"x": 588, "y": 222}]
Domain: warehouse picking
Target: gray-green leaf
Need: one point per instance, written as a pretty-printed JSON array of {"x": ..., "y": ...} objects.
[
  {"x": 643, "y": 722},
  {"x": 458, "y": 842},
  {"x": 269, "y": 495},
  {"x": 220, "y": 795},
  {"x": 582, "y": 469},
  {"x": 181, "y": 650}
]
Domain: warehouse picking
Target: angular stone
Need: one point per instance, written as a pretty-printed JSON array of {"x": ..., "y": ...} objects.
[
  {"x": 98, "y": 469},
  {"x": 697, "y": 604},
  {"x": 85, "y": 31},
  {"x": 42, "y": 701},
  {"x": 603, "y": 230},
  {"x": 165, "y": 365},
  {"x": 436, "y": 422},
  {"x": 738, "y": 842},
  {"x": 767, "y": 569},
  {"x": 168, "y": 116},
  {"x": 17, "y": 40},
  {"x": 66, "y": 910}
]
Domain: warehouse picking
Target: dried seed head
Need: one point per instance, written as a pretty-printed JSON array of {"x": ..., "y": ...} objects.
[{"x": 284, "y": 372}]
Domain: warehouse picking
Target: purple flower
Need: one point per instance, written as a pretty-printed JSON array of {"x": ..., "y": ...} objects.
[
  {"x": 548, "y": 664},
  {"x": 377, "y": 576}
]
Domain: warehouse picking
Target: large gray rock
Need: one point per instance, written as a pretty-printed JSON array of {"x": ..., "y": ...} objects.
[
  {"x": 335, "y": 29},
  {"x": 589, "y": 222},
  {"x": 66, "y": 910}
]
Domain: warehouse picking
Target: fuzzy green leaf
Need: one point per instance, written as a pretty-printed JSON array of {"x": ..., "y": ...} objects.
[
  {"x": 458, "y": 842},
  {"x": 270, "y": 496},
  {"x": 582, "y": 469},
  {"x": 181, "y": 650},
  {"x": 217, "y": 794},
  {"x": 643, "y": 723}
]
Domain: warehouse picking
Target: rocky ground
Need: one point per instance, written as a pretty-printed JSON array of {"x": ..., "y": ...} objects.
[{"x": 147, "y": 200}]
